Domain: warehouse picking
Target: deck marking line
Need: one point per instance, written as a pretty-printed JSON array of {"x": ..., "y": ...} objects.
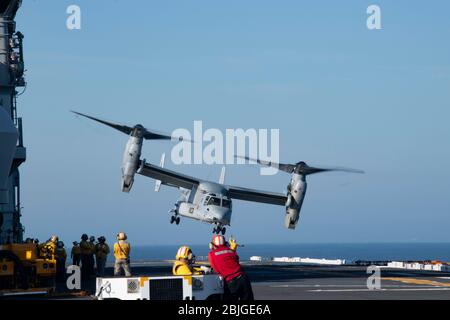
[{"x": 419, "y": 281}]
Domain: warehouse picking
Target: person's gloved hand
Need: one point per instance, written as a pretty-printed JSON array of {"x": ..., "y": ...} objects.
[{"x": 233, "y": 244}]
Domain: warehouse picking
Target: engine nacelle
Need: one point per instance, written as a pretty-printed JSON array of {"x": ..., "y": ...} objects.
[
  {"x": 295, "y": 194},
  {"x": 130, "y": 162}
]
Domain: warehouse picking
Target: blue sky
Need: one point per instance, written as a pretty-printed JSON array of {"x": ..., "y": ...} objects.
[{"x": 339, "y": 93}]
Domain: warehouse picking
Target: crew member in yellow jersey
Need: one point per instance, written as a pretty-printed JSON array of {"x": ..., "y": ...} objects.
[
  {"x": 85, "y": 249},
  {"x": 91, "y": 255},
  {"x": 60, "y": 256},
  {"x": 122, "y": 251},
  {"x": 47, "y": 249},
  {"x": 75, "y": 254},
  {"x": 101, "y": 254},
  {"x": 184, "y": 265}
]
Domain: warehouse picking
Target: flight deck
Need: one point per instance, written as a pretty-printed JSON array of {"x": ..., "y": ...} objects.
[{"x": 272, "y": 281}]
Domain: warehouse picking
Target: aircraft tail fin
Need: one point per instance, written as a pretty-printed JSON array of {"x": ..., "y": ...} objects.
[
  {"x": 161, "y": 164},
  {"x": 222, "y": 176}
]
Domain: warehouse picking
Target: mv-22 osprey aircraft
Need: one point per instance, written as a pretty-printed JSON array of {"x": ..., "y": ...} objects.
[{"x": 209, "y": 201}]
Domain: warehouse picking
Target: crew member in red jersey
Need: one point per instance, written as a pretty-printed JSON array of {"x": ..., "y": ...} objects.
[{"x": 225, "y": 262}]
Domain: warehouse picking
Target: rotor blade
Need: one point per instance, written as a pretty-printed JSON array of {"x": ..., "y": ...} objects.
[
  {"x": 280, "y": 166},
  {"x": 307, "y": 170},
  {"x": 149, "y": 135},
  {"x": 153, "y": 135},
  {"x": 122, "y": 128}
]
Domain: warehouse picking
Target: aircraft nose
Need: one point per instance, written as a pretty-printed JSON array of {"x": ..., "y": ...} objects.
[
  {"x": 227, "y": 215},
  {"x": 223, "y": 214}
]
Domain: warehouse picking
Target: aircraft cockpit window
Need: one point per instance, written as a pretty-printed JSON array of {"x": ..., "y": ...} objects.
[{"x": 213, "y": 201}]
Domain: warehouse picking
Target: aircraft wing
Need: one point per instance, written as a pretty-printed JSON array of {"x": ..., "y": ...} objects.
[
  {"x": 167, "y": 177},
  {"x": 256, "y": 196}
]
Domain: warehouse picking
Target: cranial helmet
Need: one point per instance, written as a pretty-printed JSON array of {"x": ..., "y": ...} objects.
[
  {"x": 218, "y": 241},
  {"x": 184, "y": 253}
]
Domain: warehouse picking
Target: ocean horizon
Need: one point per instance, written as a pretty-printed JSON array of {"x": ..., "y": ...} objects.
[{"x": 347, "y": 251}]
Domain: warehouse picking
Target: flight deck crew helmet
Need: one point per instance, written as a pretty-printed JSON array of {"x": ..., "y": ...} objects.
[
  {"x": 218, "y": 241},
  {"x": 54, "y": 238},
  {"x": 92, "y": 239},
  {"x": 121, "y": 236},
  {"x": 60, "y": 244},
  {"x": 84, "y": 237},
  {"x": 184, "y": 253},
  {"x": 75, "y": 243},
  {"x": 102, "y": 239}
]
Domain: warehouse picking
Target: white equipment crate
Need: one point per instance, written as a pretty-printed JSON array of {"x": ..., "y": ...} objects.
[{"x": 201, "y": 287}]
